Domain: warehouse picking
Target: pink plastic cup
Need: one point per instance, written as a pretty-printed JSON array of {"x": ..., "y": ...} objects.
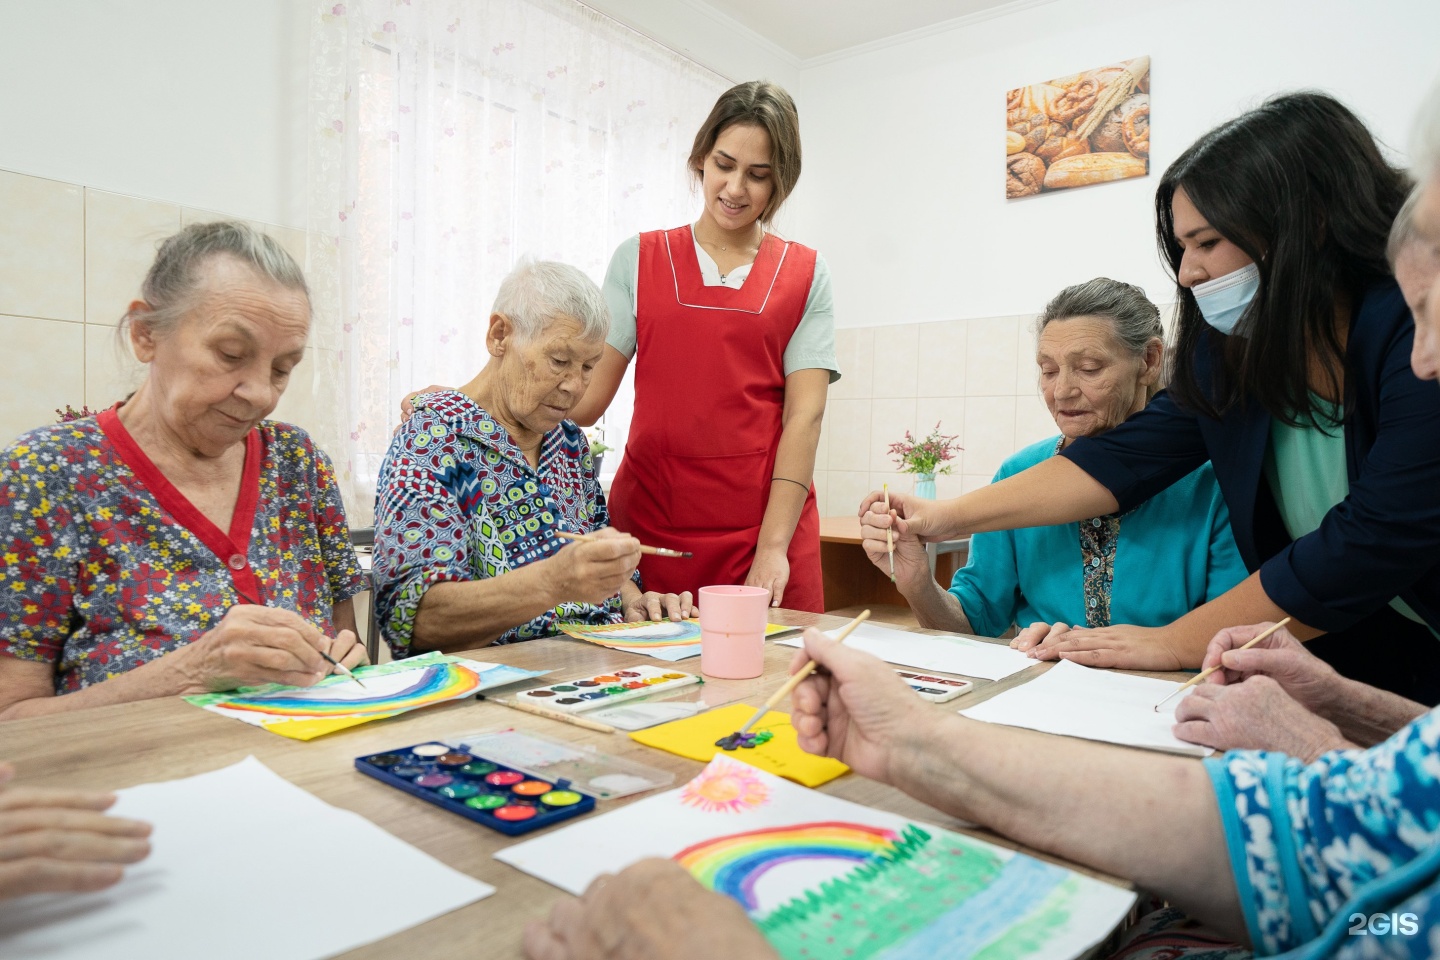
[{"x": 732, "y": 631}]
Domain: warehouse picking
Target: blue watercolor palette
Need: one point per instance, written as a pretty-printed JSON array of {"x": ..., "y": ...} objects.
[{"x": 491, "y": 794}]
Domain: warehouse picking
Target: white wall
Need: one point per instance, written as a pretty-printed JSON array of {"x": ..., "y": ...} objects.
[
  {"x": 196, "y": 102},
  {"x": 903, "y": 151}
]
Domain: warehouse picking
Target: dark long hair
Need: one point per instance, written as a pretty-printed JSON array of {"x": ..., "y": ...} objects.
[{"x": 1299, "y": 185}]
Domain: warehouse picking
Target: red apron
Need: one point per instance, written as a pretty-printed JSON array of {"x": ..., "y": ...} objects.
[{"x": 709, "y": 399}]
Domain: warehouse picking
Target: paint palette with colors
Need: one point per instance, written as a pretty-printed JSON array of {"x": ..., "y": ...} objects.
[
  {"x": 492, "y": 794},
  {"x": 935, "y": 689},
  {"x": 606, "y": 689}
]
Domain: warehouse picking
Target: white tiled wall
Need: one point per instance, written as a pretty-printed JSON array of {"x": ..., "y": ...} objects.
[
  {"x": 975, "y": 377},
  {"x": 71, "y": 260}
]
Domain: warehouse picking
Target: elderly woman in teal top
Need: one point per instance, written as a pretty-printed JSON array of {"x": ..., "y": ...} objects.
[{"x": 1100, "y": 349}]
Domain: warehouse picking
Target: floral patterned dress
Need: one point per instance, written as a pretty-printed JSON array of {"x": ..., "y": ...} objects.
[
  {"x": 458, "y": 502},
  {"x": 1340, "y": 857},
  {"x": 107, "y": 566}
]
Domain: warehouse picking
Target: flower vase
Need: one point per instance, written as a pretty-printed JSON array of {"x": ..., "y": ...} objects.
[{"x": 925, "y": 486}]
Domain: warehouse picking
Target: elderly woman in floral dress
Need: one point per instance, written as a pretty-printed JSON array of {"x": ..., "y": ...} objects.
[
  {"x": 480, "y": 481},
  {"x": 179, "y": 542}
]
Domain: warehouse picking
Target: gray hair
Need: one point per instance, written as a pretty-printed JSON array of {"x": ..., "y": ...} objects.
[
  {"x": 1402, "y": 231},
  {"x": 176, "y": 280},
  {"x": 1134, "y": 320},
  {"x": 538, "y": 292}
]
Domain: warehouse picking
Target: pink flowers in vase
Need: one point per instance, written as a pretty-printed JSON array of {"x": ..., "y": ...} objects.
[{"x": 926, "y": 457}]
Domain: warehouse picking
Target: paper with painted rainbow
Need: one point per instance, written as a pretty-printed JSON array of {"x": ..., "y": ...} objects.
[{"x": 813, "y": 869}]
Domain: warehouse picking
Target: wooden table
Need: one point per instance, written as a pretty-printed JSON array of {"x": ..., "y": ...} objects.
[
  {"x": 128, "y": 744},
  {"x": 851, "y": 580}
]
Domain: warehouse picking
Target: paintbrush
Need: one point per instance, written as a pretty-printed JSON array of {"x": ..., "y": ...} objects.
[
  {"x": 800, "y": 674},
  {"x": 653, "y": 551},
  {"x": 1205, "y": 673},
  {"x": 343, "y": 669},
  {"x": 889, "y": 537}
]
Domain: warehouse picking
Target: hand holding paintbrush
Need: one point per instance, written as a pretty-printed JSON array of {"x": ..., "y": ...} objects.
[
  {"x": 794, "y": 681},
  {"x": 1199, "y": 677},
  {"x": 652, "y": 551}
]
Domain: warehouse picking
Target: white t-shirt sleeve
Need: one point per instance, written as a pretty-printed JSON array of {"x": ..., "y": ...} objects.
[
  {"x": 812, "y": 345},
  {"x": 619, "y": 290}
]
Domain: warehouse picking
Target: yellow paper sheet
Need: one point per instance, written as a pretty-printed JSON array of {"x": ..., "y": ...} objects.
[{"x": 695, "y": 737}]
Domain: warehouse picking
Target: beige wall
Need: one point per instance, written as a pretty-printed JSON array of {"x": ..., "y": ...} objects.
[
  {"x": 976, "y": 377},
  {"x": 71, "y": 259}
]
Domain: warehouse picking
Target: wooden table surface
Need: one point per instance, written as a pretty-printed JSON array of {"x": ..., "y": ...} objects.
[{"x": 128, "y": 744}]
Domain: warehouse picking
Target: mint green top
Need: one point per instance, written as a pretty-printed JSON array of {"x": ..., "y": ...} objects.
[
  {"x": 812, "y": 344},
  {"x": 1305, "y": 467}
]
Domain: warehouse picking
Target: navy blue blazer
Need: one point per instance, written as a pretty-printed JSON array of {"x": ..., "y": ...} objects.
[{"x": 1381, "y": 541}]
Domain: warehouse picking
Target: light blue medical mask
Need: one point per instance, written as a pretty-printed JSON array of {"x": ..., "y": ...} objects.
[{"x": 1222, "y": 301}]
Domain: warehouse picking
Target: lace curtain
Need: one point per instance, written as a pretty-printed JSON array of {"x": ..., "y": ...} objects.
[{"x": 449, "y": 138}]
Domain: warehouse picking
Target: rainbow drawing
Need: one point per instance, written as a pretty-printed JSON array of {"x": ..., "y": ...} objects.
[
  {"x": 433, "y": 684},
  {"x": 733, "y": 864},
  {"x": 645, "y": 634}
]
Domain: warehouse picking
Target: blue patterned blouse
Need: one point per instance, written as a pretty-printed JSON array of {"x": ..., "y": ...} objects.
[
  {"x": 457, "y": 501},
  {"x": 1338, "y": 858}
]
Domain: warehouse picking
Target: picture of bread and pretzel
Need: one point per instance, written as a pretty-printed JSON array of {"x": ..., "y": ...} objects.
[{"x": 1086, "y": 128}]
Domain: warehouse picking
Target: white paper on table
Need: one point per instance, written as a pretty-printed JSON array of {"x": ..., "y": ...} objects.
[
  {"x": 571, "y": 857},
  {"x": 244, "y": 863},
  {"x": 1077, "y": 701},
  {"x": 945, "y": 653}
]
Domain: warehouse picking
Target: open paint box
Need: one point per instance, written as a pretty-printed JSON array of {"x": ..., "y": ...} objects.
[{"x": 492, "y": 794}]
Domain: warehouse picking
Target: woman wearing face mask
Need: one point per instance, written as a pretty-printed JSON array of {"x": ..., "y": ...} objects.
[
  {"x": 732, "y": 332},
  {"x": 1292, "y": 376}
]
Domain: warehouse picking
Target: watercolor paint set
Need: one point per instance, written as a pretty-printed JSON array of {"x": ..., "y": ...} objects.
[
  {"x": 933, "y": 688},
  {"x": 606, "y": 689},
  {"x": 587, "y": 769},
  {"x": 492, "y": 794}
]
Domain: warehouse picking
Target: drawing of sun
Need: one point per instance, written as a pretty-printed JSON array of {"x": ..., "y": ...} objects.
[{"x": 726, "y": 789}]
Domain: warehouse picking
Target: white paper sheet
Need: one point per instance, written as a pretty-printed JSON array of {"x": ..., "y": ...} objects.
[
  {"x": 946, "y": 653},
  {"x": 1077, "y": 701},
  {"x": 244, "y": 864}
]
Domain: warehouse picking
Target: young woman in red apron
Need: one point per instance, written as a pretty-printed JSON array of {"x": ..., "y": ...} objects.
[{"x": 733, "y": 341}]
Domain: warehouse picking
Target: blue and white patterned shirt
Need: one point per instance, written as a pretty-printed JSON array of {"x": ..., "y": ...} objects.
[
  {"x": 1319, "y": 849},
  {"x": 456, "y": 501}
]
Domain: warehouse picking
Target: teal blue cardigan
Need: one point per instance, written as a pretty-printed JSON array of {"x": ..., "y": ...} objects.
[{"x": 1175, "y": 552}]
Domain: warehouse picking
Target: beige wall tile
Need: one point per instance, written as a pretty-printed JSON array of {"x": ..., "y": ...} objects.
[
  {"x": 990, "y": 358},
  {"x": 949, "y": 485},
  {"x": 42, "y": 248},
  {"x": 1032, "y": 421},
  {"x": 46, "y": 372},
  {"x": 854, "y": 352},
  {"x": 294, "y": 242},
  {"x": 822, "y": 486},
  {"x": 897, "y": 360},
  {"x": 899, "y": 483},
  {"x": 989, "y": 433},
  {"x": 1027, "y": 371},
  {"x": 889, "y": 419},
  {"x": 941, "y": 365},
  {"x": 847, "y": 489},
  {"x": 121, "y": 236},
  {"x": 189, "y": 215},
  {"x": 110, "y": 368},
  {"x": 849, "y": 434}
]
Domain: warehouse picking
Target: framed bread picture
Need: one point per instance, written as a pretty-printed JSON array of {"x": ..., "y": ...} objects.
[{"x": 1090, "y": 127}]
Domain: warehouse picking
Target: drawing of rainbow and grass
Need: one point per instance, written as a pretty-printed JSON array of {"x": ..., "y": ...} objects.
[
  {"x": 824, "y": 877},
  {"x": 337, "y": 702}
]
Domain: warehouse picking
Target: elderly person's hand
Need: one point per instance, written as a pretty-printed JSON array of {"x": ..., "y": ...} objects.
[
  {"x": 407, "y": 404},
  {"x": 255, "y": 645},
  {"x": 59, "y": 841},
  {"x": 854, "y": 708},
  {"x": 1255, "y": 715},
  {"x": 653, "y": 910},
  {"x": 1039, "y": 639},
  {"x": 1120, "y": 645},
  {"x": 650, "y": 605},
  {"x": 913, "y": 516},
  {"x": 1281, "y": 657},
  {"x": 912, "y": 564},
  {"x": 593, "y": 571}
]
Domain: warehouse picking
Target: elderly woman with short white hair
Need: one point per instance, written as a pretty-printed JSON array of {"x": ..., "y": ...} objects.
[
  {"x": 480, "y": 481},
  {"x": 180, "y": 542}
]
